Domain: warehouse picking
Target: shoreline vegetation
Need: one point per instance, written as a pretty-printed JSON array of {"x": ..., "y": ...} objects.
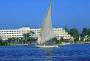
[{"x": 28, "y": 39}]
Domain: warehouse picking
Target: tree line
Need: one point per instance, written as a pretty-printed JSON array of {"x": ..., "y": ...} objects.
[
  {"x": 28, "y": 38},
  {"x": 83, "y": 36}
]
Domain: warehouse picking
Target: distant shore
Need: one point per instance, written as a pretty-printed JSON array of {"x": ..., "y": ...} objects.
[{"x": 66, "y": 43}]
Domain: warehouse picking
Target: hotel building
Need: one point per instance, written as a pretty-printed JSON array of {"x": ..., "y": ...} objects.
[{"x": 5, "y": 34}]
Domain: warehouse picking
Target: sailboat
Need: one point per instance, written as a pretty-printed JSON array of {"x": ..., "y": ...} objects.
[{"x": 46, "y": 31}]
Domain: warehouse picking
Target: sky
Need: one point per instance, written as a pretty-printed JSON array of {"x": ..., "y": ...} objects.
[{"x": 70, "y": 13}]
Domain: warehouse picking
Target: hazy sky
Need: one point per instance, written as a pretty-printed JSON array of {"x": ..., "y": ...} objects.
[{"x": 16, "y": 13}]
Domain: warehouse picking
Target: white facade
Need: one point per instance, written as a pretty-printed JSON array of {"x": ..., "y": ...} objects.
[{"x": 5, "y": 34}]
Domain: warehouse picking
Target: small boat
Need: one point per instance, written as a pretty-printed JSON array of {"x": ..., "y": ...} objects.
[
  {"x": 47, "y": 46},
  {"x": 46, "y": 31}
]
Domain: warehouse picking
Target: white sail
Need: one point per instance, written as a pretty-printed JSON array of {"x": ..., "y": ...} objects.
[{"x": 46, "y": 31}]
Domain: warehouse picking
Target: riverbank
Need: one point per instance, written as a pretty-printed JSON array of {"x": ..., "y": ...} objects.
[{"x": 63, "y": 43}]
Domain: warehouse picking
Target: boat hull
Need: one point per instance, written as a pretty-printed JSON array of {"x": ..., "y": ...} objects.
[{"x": 44, "y": 46}]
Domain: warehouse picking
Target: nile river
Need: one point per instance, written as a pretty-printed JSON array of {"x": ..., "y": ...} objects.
[{"x": 73, "y": 52}]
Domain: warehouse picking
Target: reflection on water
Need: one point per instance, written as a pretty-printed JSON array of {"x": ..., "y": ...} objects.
[
  {"x": 48, "y": 53},
  {"x": 75, "y": 52}
]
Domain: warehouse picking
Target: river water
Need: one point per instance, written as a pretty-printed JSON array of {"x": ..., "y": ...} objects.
[{"x": 73, "y": 52}]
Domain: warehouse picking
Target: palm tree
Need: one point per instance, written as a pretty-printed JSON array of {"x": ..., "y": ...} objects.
[{"x": 28, "y": 37}]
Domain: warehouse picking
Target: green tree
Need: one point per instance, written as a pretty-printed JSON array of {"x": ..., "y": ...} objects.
[
  {"x": 28, "y": 37},
  {"x": 66, "y": 29},
  {"x": 84, "y": 32},
  {"x": 2, "y": 42},
  {"x": 12, "y": 40},
  {"x": 88, "y": 33},
  {"x": 74, "y": 32}
]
